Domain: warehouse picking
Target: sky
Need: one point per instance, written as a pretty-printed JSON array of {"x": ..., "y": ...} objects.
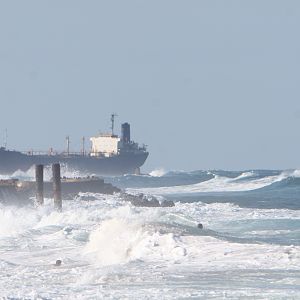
[{"x": 205, "y": 84}]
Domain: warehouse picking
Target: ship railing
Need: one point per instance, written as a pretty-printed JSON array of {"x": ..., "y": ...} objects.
[
  {"x": 55, "y": 152},
  {"x": 38, "y": 152},
  {"x": 52, "y": 152},
  {"x": 69, "y": 154},
  {"x": 143, "y": 147}
]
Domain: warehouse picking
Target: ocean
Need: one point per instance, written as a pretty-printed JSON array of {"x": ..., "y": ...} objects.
[{"x": 248, "y": 248}]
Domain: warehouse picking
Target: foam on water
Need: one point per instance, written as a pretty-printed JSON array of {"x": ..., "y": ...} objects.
[
  {"x": 15, "y": 220},
  {"x": 294, "y": 173},
  {"x": 218, "y": 184},
  {"x": 246, "y": 175},
  {"x": 109, "y": 248},
  {"x": 119, "y": 238},
  {"x": 128, "y": 240},
  {"x": 158, "y": 172},
  {"x": 29, "y": 175}
]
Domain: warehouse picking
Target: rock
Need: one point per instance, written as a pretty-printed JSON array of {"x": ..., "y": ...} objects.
[
  {"x": 167, "y": 203},
  {"x": 200, "y": 226},
  {"x": 85, "y": 197},
  {"x": 58, "y": 263},
  {"x": 153, "y": 203},
  {"x": 142, "y": 200}
]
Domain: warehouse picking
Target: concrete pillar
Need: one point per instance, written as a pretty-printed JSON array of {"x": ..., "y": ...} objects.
[
  {"x": 137, "y": 171},
  {"x": 56, "y": 186},
  {"x": 39, "y": 179}
]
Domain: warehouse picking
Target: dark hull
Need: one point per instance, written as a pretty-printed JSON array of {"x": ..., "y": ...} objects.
[{"x": 124, "y": 163}]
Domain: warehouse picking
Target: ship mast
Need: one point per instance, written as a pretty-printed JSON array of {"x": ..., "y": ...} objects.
[
  {"x": 68, "y": 145},
  {"x": 5, "y": 138},
  {"x": 83, "y": 145},
  {"x": 113, "y": 122}
]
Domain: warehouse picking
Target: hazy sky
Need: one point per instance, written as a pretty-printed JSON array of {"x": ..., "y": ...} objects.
[{"x": 206, "y": 84}]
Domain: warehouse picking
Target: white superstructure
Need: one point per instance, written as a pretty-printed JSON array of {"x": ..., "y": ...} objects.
[{"x": 105, "y": 144}]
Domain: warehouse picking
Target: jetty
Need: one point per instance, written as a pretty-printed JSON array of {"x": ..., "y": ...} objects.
[{"x": 15, "y": 191}]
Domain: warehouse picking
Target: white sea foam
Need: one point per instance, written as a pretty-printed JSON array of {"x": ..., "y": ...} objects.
[
  {"x": 158, "y": 172},
  {"x": 295, "y": 173},
  {"x": 111, "y": 249},
  {"x": 29, "y": 175},
  {"x": 15, "y": 220},
  {"x": 245, "y": 175},
  {"x": 118, "y": 236},
  {"x": 218, "y": 184},
  {"x": 127, "y": 240}
]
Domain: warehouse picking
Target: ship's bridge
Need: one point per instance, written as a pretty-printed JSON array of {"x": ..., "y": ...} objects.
[{"x": 105, "y": 144}]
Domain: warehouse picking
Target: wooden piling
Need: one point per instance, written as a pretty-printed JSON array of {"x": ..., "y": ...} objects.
[
  {"x": 39, "y": 179},
  {"x": 57, "y": 186}
]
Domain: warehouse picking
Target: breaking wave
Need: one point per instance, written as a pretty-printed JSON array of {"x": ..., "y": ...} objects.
[
  {"x": 29, "y": 175},
  {"x": 247, "y": 181},
  {"x": 158, "y": 172}
]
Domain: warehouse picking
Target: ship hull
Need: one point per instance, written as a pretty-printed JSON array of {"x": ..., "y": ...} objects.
[{"x": 124, "y": 163}]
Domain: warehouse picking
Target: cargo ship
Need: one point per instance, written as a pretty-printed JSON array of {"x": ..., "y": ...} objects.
[{"x": 109, "y": 155}]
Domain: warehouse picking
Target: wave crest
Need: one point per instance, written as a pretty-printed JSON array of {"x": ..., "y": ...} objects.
[
  {"x": 158, "y": 172},
  {"x": 220, "y": 184}
]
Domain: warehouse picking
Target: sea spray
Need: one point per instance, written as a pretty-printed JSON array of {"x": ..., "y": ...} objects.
[
  {"x": 29, "y": 175},
  {"x": 15, "y": 220},
  {"x": 113, "y": 241},
  {"x": 158, "y": 172},
  {"x": 118, "y": 241}
]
